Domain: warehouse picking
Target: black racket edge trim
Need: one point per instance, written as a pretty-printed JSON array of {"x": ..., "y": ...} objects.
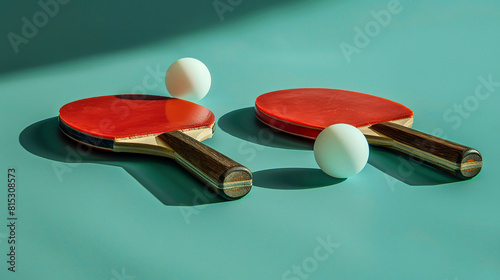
[{"x": 84, "y": 138}]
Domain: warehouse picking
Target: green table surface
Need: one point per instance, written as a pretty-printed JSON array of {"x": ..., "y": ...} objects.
[{"x": 100, "y": 215}]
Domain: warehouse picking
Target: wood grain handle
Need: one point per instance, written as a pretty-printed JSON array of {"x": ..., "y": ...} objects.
[
  {"x": 225, "y": 176},
  {"x": 461, "y": 161}
]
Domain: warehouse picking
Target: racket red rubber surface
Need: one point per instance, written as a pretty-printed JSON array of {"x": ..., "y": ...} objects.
[
  {"x": 125, "y": 116},
  {"x": 306, "y": 112}
]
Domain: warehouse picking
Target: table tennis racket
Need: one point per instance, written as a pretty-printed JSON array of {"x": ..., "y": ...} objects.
[
  {"x": 306, "y": 112},
  {"x": 159, "y": 126}
]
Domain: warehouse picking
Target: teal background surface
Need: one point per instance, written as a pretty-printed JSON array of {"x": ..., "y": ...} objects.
[{"x": 101, "y": 215}]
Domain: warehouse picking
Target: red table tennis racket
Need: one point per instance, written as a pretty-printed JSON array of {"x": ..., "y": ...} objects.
[
  {"x": 306, "y": 112},
  {"x": 160, "y": 126}
]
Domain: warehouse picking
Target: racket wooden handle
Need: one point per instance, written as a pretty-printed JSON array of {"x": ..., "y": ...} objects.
[
  {"x": 458, "y": 160},
  {"x": 225, "y": 176}
]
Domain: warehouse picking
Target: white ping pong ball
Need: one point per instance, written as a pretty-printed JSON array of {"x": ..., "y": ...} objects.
[
  {"x": 188, "y": 78},
  {"x": 341, "y": 150}
]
